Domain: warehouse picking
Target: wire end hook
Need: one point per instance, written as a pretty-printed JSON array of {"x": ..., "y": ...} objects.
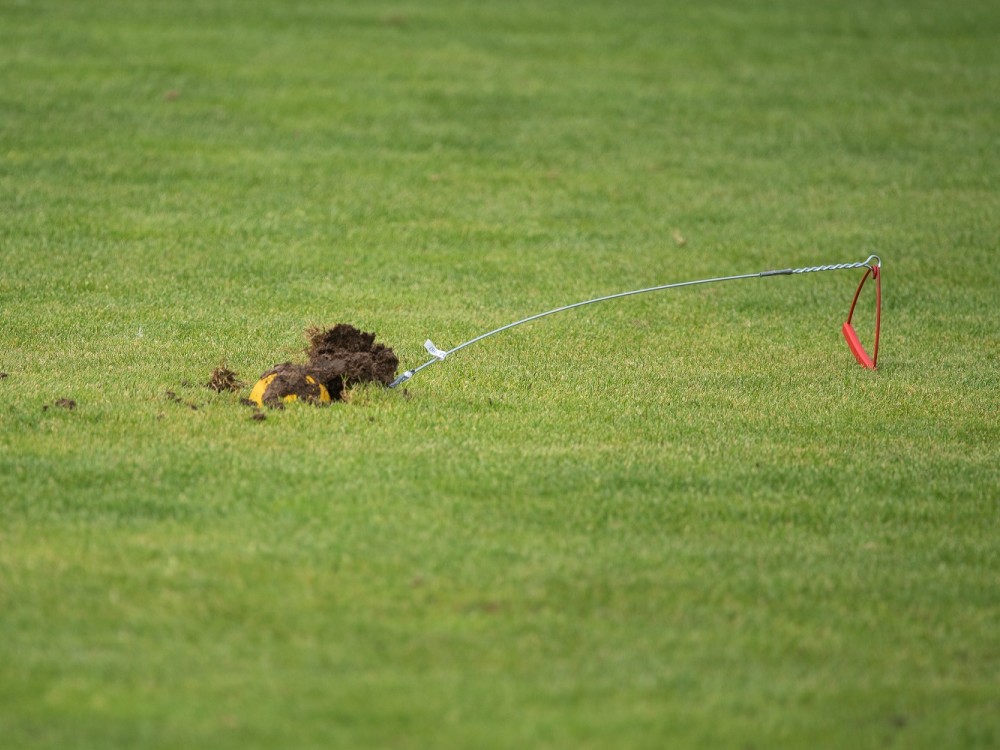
[{"x": 401, "y": 379}]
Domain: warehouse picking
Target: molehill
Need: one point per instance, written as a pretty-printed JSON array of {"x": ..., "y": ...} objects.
[{"x": 338, "y": 358}]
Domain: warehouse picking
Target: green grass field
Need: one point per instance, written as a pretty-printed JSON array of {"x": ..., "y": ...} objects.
[{"x": 684, "y": 519}]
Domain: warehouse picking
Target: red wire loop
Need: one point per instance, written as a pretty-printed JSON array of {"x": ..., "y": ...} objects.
[{"x": 866, "y": 361}]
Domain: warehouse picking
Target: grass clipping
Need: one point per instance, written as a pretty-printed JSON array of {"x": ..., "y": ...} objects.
[{"x": 339, "y": 357}]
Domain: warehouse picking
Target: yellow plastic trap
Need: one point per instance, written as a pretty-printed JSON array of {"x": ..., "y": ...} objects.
[{"x": 260, "y": 387}]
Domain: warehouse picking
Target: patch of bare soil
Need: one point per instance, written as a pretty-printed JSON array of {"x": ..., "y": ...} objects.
[{"x": 339, "y": 357}]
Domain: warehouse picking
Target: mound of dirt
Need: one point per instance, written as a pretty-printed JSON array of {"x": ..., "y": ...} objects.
[
  {"x": 289, "y": 379},
  {"x": 339, "y": 357}
]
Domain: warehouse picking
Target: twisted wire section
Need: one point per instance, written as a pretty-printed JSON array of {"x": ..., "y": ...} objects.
[{"x": 872, "y": 261}]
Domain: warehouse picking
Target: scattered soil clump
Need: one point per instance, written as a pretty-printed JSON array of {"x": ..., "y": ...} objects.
[
  {"x": 63, "y": 403},
  {"x": 224, "y": 379},
  {"x": 339, "y": 357},
  {"x": 171, "y": 396},
  {"x": 3, "y": 375}
]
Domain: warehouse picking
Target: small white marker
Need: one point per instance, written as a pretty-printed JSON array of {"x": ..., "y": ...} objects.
[{"x": 434, "y": 351}]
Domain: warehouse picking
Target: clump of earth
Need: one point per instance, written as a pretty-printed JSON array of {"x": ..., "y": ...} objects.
[
  {"x": 338, "y": 358},
  {"x": 224, "y": 379}
]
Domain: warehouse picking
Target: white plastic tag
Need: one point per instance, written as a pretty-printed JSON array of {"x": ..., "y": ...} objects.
[{"x": 434, "y": 351}]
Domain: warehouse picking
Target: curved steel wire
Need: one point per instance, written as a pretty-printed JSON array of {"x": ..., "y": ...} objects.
[{"x": 439, "y": 356}]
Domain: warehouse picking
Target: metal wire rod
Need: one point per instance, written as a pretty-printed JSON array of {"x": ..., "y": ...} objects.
[{"x": 438, "y": 355}]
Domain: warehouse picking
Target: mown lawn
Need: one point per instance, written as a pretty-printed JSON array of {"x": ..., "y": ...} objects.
[{"x": 685, "y": 519}]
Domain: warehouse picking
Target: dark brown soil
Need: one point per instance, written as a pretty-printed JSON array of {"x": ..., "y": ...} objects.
[
  {"x": 65, "y": 403},
  {"x": 339, "y": 357},
  {"x": 288, "y": 379},
  {"x": 3, "y": 375},
  {"x": 224, "y": 379}
]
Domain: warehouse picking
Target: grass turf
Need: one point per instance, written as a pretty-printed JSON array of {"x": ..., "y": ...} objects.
[{"x": 684, "y": 519}]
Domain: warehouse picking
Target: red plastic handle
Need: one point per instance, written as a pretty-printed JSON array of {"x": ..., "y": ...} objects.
[{"x": 866, "y": 361}]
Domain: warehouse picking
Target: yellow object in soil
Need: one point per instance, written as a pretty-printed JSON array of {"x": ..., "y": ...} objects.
[{"x": 260, "y": 387}]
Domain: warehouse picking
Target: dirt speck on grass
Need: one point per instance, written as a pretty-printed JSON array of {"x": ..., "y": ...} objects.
[
  {"x": 339, "y": 357},
  {"x": 259, "y": 416},
  {"x": 171, "y": 396},
  {"x": 3, "y": 375},
  {"x": 224, "y": 380}
]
